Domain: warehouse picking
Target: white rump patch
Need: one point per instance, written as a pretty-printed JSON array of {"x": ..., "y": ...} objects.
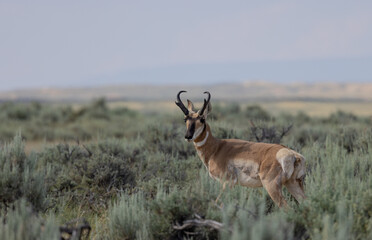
[{"x": 286, "y": 158}]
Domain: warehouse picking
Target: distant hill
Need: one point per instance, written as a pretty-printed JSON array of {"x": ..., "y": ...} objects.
[{"x": 225, "y": 92}]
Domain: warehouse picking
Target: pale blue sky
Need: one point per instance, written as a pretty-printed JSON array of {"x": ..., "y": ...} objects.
[{"x": 88, "y": 43}]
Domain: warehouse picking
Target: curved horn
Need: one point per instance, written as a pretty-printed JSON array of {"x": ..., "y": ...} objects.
[
  {"x": 205, "y": 103},
  {"x": 180, "y": 104}
]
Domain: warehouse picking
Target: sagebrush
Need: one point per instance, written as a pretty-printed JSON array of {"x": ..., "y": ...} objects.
[{"x": 132, "y": 176}]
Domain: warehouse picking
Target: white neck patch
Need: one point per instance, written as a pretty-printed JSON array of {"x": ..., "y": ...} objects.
[
  {"x": 199, "y": 144},
  {"x": 197, "y": 133}
]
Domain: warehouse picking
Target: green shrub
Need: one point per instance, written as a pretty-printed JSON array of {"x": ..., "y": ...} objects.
[
  {"x": 54, "y": 115},
  {"x": 96, "y": 110},
  {"x": 220, "y": 112},
  {"x": 255, "y": 112},
  {"x": 168, "y": 139},
  {"x": 302, "y": 117},
  {"x": 102, "y": 168},
  {"x": 128, "y": 218},
  {"x": 256, "y": 225},
  {"x": 19, "y": 175},
  {"x": 63, "y": 122},
  {"x": 338, "y": 189},
  {"x": 269, "y": 134},
  {"x": 172, "y": 207},
  {"x": 307, "y": 135},
  {"x": 23, "y": 224},
  {"x": 222, "y": 130},
  {"x": 232, "y": 109},
  {"x": 341, "y": 117}
]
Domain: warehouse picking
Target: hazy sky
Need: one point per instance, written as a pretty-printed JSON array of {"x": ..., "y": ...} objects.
[{"x": 83, "y": 43}]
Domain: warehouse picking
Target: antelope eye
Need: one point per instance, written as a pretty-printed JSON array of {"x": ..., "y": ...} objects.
[{"x": 185, "y": 119}]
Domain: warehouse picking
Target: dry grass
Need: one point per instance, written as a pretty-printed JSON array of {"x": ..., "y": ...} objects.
[
  {"x": 312, "y": 108},
  {"x": 319, "y": 109},
  {"x": 39, "y": 145}
]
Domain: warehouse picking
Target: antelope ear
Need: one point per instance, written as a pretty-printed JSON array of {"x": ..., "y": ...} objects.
[{"x": 190, "y": 106}]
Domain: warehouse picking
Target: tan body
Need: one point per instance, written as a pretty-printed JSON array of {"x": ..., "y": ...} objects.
[{"x": 251, "y": 164}]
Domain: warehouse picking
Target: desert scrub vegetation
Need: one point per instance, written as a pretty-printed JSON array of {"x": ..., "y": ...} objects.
[
  {"x": 21, "y": 223},
  {"x": 131, "y": 175},
  {"x": 54, "y": 122},
  {"x": 20, "y": 177}
]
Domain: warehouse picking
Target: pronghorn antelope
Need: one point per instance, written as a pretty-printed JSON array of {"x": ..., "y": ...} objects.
[{"x": 250, "y": 164}]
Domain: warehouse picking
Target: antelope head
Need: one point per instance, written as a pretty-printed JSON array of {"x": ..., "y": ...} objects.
[{"x": 195, "y": 121}]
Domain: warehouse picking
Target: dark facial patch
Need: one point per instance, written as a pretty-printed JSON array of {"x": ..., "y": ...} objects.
[
  {"x": 190, "y": 131},
  {"x": 192, "y": 128}
]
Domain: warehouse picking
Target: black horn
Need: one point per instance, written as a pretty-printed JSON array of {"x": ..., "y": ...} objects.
[
  {"x": 205, "y": 103},
  {"x": 180, "y": 104}
]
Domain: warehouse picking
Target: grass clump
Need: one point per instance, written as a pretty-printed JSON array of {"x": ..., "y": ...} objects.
[
  {"x": 89, "y": 174},
  {"x": 20, "y": 177},
  {"x": 129, "y": 219},
  {"x": 23, "y": 223}
]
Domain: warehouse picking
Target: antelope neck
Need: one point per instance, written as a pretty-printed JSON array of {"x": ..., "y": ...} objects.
[{"x": 202, "y": 138}]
